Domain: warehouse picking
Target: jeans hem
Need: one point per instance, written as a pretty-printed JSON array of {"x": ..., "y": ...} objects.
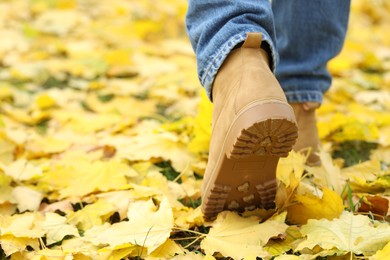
[{"x": 304, "y": 96}]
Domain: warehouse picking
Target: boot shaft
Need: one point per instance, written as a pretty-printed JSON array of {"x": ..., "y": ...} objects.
[{"x": 244, "y": 77}]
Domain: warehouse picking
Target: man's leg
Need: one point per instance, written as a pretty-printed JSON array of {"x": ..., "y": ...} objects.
[
  {"x": 309, "y": 34},
  {"x": 253, "y": 125},
  {"x": 215, "y": 27}
]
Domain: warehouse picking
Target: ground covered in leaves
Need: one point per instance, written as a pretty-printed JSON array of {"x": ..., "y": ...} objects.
[{"x": 104, "y": 134}]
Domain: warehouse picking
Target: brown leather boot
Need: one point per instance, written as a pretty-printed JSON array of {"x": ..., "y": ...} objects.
[
  {"x": 308, "y": 140},
  {"x": 253, "y": 126}
]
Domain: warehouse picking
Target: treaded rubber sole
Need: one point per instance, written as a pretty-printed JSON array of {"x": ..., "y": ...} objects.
[{"x": 245, "y": 176}]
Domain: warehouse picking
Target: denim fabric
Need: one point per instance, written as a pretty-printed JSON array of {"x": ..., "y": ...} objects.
[
  {"x": 215, "y": 27},
  {"x": 308, "y": 34}
]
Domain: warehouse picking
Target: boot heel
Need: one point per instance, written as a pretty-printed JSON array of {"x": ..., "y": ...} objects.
[
  {"x": 263, "y": 129},
  {"x": 274, "y": 137}
]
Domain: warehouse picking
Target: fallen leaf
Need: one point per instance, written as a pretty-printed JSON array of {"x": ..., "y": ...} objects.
[
  {"x": 21, "y": 170},
  {"x": 11, "y": 244},
  {"x": 375, "y": 205},
  {"x": 308, "y": 207},
  {"x": 79, "y": 245},
  {"x": 150, "y": 227},
  {"x": 349, "y": 233},
  {"x": 290, "y": 169},
  {"x": 56, "y": 228},
  {"x": 44, "y": 146},
  {"x": 328, "y": 174},
  {"x": 27, "y": 198},
  {"x": 188, "y": 217},
  {"x": 167, "y": 250},
  {"x": 22, "y": 225},
  {"x": 80, "y": 176},
  {"x": 91, "y": 215},
  {"x": 120, "y": 199},
  {"x": 367, "y": 177},
  {"x": 147, "y": 146},
  {"x": 238, "y": 237},
  {"x": 279, "y": 246}
]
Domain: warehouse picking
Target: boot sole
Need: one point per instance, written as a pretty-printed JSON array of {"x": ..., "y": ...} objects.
[{"x": 245, "y": 174}]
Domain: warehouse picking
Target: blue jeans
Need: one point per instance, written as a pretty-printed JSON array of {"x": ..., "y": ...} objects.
[{"x": 301, "y": 36}]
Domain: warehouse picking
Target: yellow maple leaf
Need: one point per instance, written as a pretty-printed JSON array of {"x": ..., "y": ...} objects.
[
  {"x": 27, "y": 198},
  {"x": 148, "y": 226},
  {"x": 11, "y": 244},
  {"x": 349, "y": 233},
  {"x": 172, "y": 190},
  {"x": 367, "y": 177},
  {"x": 167, "y": 250},
  {"x": 21, "y": 170},
  {"x": 79, "y": 246},
  {"x": 56, "y": 228},
  {"x": 238, "y": 237},
  {"x": 22, "y": 225},
  {"x": 289, "y": 172},
  {"x": 41, "y": 146},
  {"x": 328, "y": 174},
  {"x": 147, "y": 146},
  {"x": 291, "y": 168},
  {"x": 47, "y": 253},
  {"x": 79, "y": 176},
  {"x": 188, "y": 217},
  {"x": 86, "y": 122},
  {"x": 312, "y": 207},
  {"x": 91, "y": 215},
  {"x": 281, "y": 246},
  {"x": 121, "y": 199}
]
